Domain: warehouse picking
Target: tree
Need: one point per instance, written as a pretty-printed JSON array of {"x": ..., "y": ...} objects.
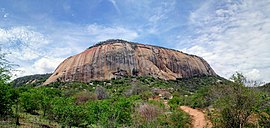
[
  {"x": 30, "y": 100},
  {"x": 47, "y": 94},
  {"x": 237, "y": 102},
  {"x": 8, "y": 95},
  {"x": 238, "y": 78},
  {"x": 64, "y": 111}
]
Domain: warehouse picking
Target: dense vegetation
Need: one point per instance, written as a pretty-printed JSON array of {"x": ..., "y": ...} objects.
[
  {"x": 132, "y": 102},
  {"x": 231, "y": 105}
]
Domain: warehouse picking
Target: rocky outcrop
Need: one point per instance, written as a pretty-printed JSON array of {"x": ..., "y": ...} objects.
[{"x": 118, "y": 58}]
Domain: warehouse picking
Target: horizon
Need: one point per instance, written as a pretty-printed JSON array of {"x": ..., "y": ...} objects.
[{"x": 232, "y": 36}]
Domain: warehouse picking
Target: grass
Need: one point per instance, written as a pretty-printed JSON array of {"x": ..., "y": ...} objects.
[{"x": 29, "y": 121}]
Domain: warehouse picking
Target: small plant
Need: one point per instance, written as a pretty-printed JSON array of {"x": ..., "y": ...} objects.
[
  {"x": 101, "y": 93},
  {"x": 148, "y": 112},
  {"x": 84, "y": 96}
]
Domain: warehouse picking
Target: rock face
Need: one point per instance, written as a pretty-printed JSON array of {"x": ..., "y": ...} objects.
[{"x": 118, "y": 58}]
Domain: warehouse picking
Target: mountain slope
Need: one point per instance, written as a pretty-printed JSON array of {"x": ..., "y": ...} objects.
[{"x": 34, "y": 80}]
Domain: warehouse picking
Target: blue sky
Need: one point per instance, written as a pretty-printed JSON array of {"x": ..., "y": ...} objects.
[{"x": 232, "y": 35}]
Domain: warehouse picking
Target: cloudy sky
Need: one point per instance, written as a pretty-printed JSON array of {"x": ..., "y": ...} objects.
[{"x": 232, "y": 35}]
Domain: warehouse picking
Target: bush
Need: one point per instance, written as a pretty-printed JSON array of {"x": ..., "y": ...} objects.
[
  {"x": 175, "y": 102},
  {"x": 264, "y": 120},
  {"x": 101, "y": 93},
  {"x": 84, "y": 96},
  {"x": 148, "y": 112},
  {"x": 146, "y": 95},
  {"x": 176, "y": 119},
  {"x": 136, "y": 89},
  {"x": 109, "y": 113}
]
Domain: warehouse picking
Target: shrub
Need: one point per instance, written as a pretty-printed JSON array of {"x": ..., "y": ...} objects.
[
  {"x": 175, "y": 102},
  {"x": 108, "y": 113},
  {"x": 136, "y": 89},
  {"x": 146, "y": 95},
  {"x": 148, "y": 112},
  {"x": 101, "y": 93},
  {"x": 176, "y": 119},
  {"x": 84, "y": 96},
  {"x": 264, "y": 120}
]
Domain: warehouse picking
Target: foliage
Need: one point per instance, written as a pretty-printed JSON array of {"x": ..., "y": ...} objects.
[
  {"x": 125, "y": 102},
  {"x": 109, "y": 113},
  {"x": 30, "y": 100},
  {"x": 176, "y": 119},
  {"x": 8, "y": 96},
  {"x": 237, "y": 103},
  {"x": 64, "y": 111},
  {"x": 36, "y": 99},
  {"x": 264, "y": 120},
  {"x": 238, "y": 78},
  {"x": 176, "y": 101}
]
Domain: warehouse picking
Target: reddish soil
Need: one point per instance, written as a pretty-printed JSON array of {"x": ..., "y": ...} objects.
[{"x": 198, "y": 118}]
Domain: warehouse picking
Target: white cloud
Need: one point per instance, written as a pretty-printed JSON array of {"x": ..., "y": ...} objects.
[
  {"x": 41, "y": 66},
  {"x": 100, "y": 33},
  {"x": 29, "y": 49},
  {"x": 36, "y": 52},
  {"x": 233, "y": 36},
  {"x": 22, "y": 42},
  {"x": 115, "y": 6},
  {"x": 46, "y": 64},
  {"x": 254, "y": 74}
]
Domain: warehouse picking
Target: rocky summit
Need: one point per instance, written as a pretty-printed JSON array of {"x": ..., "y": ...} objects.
[{"x": 118, "y": 58}]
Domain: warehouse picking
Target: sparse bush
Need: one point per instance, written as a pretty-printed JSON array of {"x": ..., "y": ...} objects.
[
  {"x": 136, "y": 89},
  {"x": 84, "y": 96},
  {"x": 175, "y": 119},
  {"x": 148, "y": 112},
  {"x": 167, "y": 95},
  {"x": 101, "y": 93},
  {"x": 264, "y": 120},
  {"x": 146, "y": 95}
]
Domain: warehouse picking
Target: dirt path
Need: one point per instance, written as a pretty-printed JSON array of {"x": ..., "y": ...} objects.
[{"x": 198, "y": 119}]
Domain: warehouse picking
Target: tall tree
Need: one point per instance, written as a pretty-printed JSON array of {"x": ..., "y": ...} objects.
[{"x": 8, "y": 95}]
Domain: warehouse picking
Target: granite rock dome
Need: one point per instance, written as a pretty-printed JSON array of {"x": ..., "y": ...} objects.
[{"x": 117, "y": 58}]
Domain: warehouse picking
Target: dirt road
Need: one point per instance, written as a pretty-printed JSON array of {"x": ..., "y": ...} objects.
[{"x": 198, "y": 119}]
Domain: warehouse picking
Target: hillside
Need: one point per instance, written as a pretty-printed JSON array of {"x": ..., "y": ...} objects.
[
  {"x": 33, "y": 80},
  {"x": 265, "y": 87}
]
